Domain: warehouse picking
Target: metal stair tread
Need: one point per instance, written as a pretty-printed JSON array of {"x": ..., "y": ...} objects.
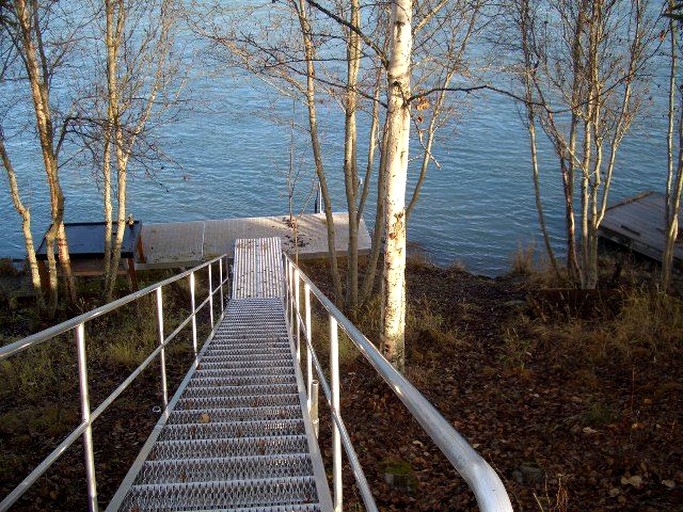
[
  {"x": 215, "y": 385},
  {"x": 234, "y": 429},
  {"x": 249, "y": 367},
  {"x": 238, "y": 493},
  {"x": 222, "y": 402},
  {"x": 237, "y": 468},
  {"x": 199, "y": 448},
  {"x": 302, "y": 507},
  {"x": 263, "y": 412},
  {"x": 236, "y": 380}
]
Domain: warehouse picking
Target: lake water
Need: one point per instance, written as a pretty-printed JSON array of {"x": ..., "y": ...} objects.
[{"x": 232, "y": 153}]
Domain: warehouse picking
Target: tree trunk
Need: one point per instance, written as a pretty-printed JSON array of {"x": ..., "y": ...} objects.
[
  {"x": 378, "y": 230},
  {"x": 673, "y": 190},
  {"x": 398, "y": 139},
  {"x": 309, "y": 54},
  {"x": 38, "y": 80},
  {"x": 25, "y": 225},
  {"x": 524, "y": 20},
  {"x": 350, "y": 157}
]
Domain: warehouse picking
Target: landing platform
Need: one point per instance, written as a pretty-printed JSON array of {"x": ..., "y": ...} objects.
[
  {"x": 179, "y": 244},
  {"x": 638, "y": 224}
]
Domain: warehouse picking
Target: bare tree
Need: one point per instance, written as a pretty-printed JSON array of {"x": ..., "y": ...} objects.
[
  {"x": 674, "y": 180},
  {"x": 41, "y": 52},
  {"x": 138, "y": 41},
  {"x": 585, "y": 61}
]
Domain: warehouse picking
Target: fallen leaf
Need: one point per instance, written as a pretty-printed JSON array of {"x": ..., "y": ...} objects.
[
  {"x": 635, "y": 481},
  {"x": 669, "y": 484}
]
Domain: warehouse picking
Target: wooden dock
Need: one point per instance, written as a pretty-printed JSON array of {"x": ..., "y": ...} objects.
[
  {"x": 637, "y": 223},
  {"x": 181, "y": 244}
]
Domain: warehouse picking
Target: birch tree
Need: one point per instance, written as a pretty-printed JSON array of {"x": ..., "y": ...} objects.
[
  {"x": 398, "y": 145},
  {"x": 7, "y": 58},
  {"x": 138, "y": 41},
  {"x": 674, "y": 179},
  {"x": 41, "y": 52},
  {"x": 586, "y": 66}
]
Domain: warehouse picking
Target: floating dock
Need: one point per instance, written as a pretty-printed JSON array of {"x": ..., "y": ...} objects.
[
  {"x": 181, "y": 244},
  {"x": 637, "y": 223}
]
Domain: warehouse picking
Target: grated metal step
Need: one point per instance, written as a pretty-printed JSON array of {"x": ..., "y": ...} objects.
[
  {"x": 236, "y": 414},
  {"x": 218, "y": 391},
  {"x": 213, "y": 495},
  {"x": 230, "y": 402},
  {"x": 235, "y": 429},
  {"x": 229, "y": 446},
  {"x": 243, "y": 380},
  {"x": 226, "y": 468}
]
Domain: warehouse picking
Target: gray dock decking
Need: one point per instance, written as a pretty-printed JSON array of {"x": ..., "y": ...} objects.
[
  {"x": 182, "y": 244},
  {"x": 638, "y": 224}
]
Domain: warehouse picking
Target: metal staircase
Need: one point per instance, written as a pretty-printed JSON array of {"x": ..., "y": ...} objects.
[
  {"x": 240, "y": 432},
  {"x": 237, "y": 436}
]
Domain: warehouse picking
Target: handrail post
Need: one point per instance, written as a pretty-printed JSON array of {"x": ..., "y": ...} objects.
[
  {"x": 85, "y": 416},
  {"x": 336, "y": 437},
  {"x": 162, "y": 354},
  {"x": 211, "y": 294},
  {"x": 194, "y": 313},
  {"x": 286, "y": 299},
  {"x": 297, "y": 315},
  {"x": 220, "y": 277},
  {"x": 309, "y": 345},
  {"x": 290, "y": 277},
  {"x": 313, "y": 409}
]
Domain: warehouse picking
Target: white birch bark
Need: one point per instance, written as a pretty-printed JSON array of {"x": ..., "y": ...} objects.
[{"x": 398, "y": 137}]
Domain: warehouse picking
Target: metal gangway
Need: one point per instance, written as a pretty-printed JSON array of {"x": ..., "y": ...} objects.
[{"x": 240, "y": 433}]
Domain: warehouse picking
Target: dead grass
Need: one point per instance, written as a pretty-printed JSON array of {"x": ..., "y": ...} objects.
[{"x": 522, "y": 260}]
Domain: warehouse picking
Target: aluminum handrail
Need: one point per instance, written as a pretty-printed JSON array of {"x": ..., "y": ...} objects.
[
  {"x": 77, "y": 324},
  {"x": 54, "y": 331},
  {"x": 485, "y": 483}
]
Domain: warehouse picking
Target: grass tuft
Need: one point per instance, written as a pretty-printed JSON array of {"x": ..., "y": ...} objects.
[{"x": 522, "y": 260}]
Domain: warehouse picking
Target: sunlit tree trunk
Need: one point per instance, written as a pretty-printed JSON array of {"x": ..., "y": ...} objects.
[
  {"x": 398, "y": 139},
  {"x": 132, "y": 93},
  {"x": 525, "y": 30},
  {"x": 36, "y": 64},
  {"x": 353, "y": 52},
  {"x": 309, "y": 55},
  {"x": 25, "y": 224},
  {"x": 674, "y": 181}
]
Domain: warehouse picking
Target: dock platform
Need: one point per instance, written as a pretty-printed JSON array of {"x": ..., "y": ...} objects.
[
  {"x": 180, "y": 244},
  {"x": 637, "y": 223}
]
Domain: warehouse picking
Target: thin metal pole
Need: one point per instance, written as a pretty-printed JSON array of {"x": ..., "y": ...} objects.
[
  {"x": 194, "y": 314},
  {"x": 286, "y": 262},
  {"x": 162, "y": 354},
  {"x": 290, "y": 276},
  {"x": 314, "y": 407},
  {"x": 309, "y": 344},
  {"x": 336, "y": 437},
  {"x": 297, "y": 315},
  {"x": 85, "y": 415},
  {"x": 220, "y": 276},
  {"x": 211, "y": 295}
]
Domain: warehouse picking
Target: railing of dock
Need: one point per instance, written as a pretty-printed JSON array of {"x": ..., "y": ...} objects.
[
  {"x": 217, "y": 292},
  {"x": 482, "y": 479}
]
